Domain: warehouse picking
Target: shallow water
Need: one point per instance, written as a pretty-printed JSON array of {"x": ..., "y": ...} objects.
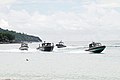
[{"x": 70, "y": 63}]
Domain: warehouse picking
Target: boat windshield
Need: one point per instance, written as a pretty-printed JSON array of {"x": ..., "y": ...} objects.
[
  {"x": 24, "y": 44},
  {"x": 47, "y": 44},
  {"x": 93, "y": 44},
  {"x": 98, "y": 44},
  {"x": 61, "y": 42}
]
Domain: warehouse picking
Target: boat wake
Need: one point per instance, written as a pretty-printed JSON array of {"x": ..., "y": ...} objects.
[
  {"x": 70, "y": 49},
  {"x": 18, "y": 51}
]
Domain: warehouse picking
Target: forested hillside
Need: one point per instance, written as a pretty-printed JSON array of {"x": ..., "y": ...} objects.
[{"x": 13, "y": 36}]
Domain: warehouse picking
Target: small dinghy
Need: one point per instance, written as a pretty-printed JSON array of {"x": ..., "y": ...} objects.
[{"x": 96, "y": 47}]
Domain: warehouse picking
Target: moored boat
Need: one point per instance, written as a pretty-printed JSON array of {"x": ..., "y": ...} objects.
[{"x": 96, "y": 47}]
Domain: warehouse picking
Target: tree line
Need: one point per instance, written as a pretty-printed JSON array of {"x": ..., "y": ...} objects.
[
  {"x": 6, "y": 37},
  {"x": 16, "y": 37}
]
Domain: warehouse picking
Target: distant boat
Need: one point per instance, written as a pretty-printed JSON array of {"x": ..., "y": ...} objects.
[
  {"x": 60, "y": 45},
  {"x": 46, "y": 47},
  {"x": 24, "y": 46},
  {"x": 96, "y": 47}
]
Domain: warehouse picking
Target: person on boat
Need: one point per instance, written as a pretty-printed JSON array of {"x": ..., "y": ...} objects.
[
  {"x": 90, "y": 45},
  {"x": 61, "y": 42},
  {"x": 94, "y": 44},
  {"x": 38, "y": 47},
  {"x": 48, "y": 44},
  {"x": 43, "y": 43},
  {"x": 53, "y": 44}
]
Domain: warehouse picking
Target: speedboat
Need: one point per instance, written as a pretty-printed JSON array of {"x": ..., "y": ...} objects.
[
  {"x": 96, "y": 47},
  {"x": 24, "y": 46},
  {"x": 60, "y": 45},
  {"x": 46, "y": 47}
]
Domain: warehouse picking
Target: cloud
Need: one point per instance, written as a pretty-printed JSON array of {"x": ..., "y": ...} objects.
[
  {"x": 4, "y": 23},
  {"x": 111, "y": 5},
  {"x": 5, "y": 2},
  {"x": 5, "y": 5},
  {"x": 91, "y": 22},
  {"x": 43, "y": 1},
  {"x": 95, "y": 21},
  {"x": 108, "y": 3}
]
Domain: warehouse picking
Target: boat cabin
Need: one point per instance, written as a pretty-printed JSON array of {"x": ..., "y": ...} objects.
[{"x": 93, "y": 44}]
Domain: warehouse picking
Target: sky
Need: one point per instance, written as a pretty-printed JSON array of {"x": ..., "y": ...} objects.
[{"x": 67, "y": 20}]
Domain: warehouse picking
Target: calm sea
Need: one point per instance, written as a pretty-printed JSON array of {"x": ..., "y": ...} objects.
[{"x": 70, "y": 63}]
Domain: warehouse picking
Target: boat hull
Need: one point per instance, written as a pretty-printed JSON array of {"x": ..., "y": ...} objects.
[
  {"x": 96, "y": 49},
  {"x": 47, "y": 48},
  {"x": 23, "y": 48},
  {"x": 60, "y": 45}
]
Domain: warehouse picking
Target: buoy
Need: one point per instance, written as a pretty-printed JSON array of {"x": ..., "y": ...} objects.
[{"x": 26, "y": 59}]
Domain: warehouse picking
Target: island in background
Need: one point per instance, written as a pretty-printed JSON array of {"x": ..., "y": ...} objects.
[{"x": 7, "y": 36}]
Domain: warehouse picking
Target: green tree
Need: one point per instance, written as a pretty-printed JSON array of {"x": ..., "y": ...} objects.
[{"x": 6, "y": 37}]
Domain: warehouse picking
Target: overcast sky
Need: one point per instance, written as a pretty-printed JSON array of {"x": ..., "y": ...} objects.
[{"x": 68, "y": 20}]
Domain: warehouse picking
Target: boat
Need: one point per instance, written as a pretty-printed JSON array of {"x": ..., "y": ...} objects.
[
  {"x": 46, "y": 47},
  {"x": 96, "y": 47},
  {"x": 24, "y": 46},
  {"x": 60, "y": 45}
]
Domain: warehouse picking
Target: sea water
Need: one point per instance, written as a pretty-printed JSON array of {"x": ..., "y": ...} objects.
[{"x": 70, "y": 63}]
